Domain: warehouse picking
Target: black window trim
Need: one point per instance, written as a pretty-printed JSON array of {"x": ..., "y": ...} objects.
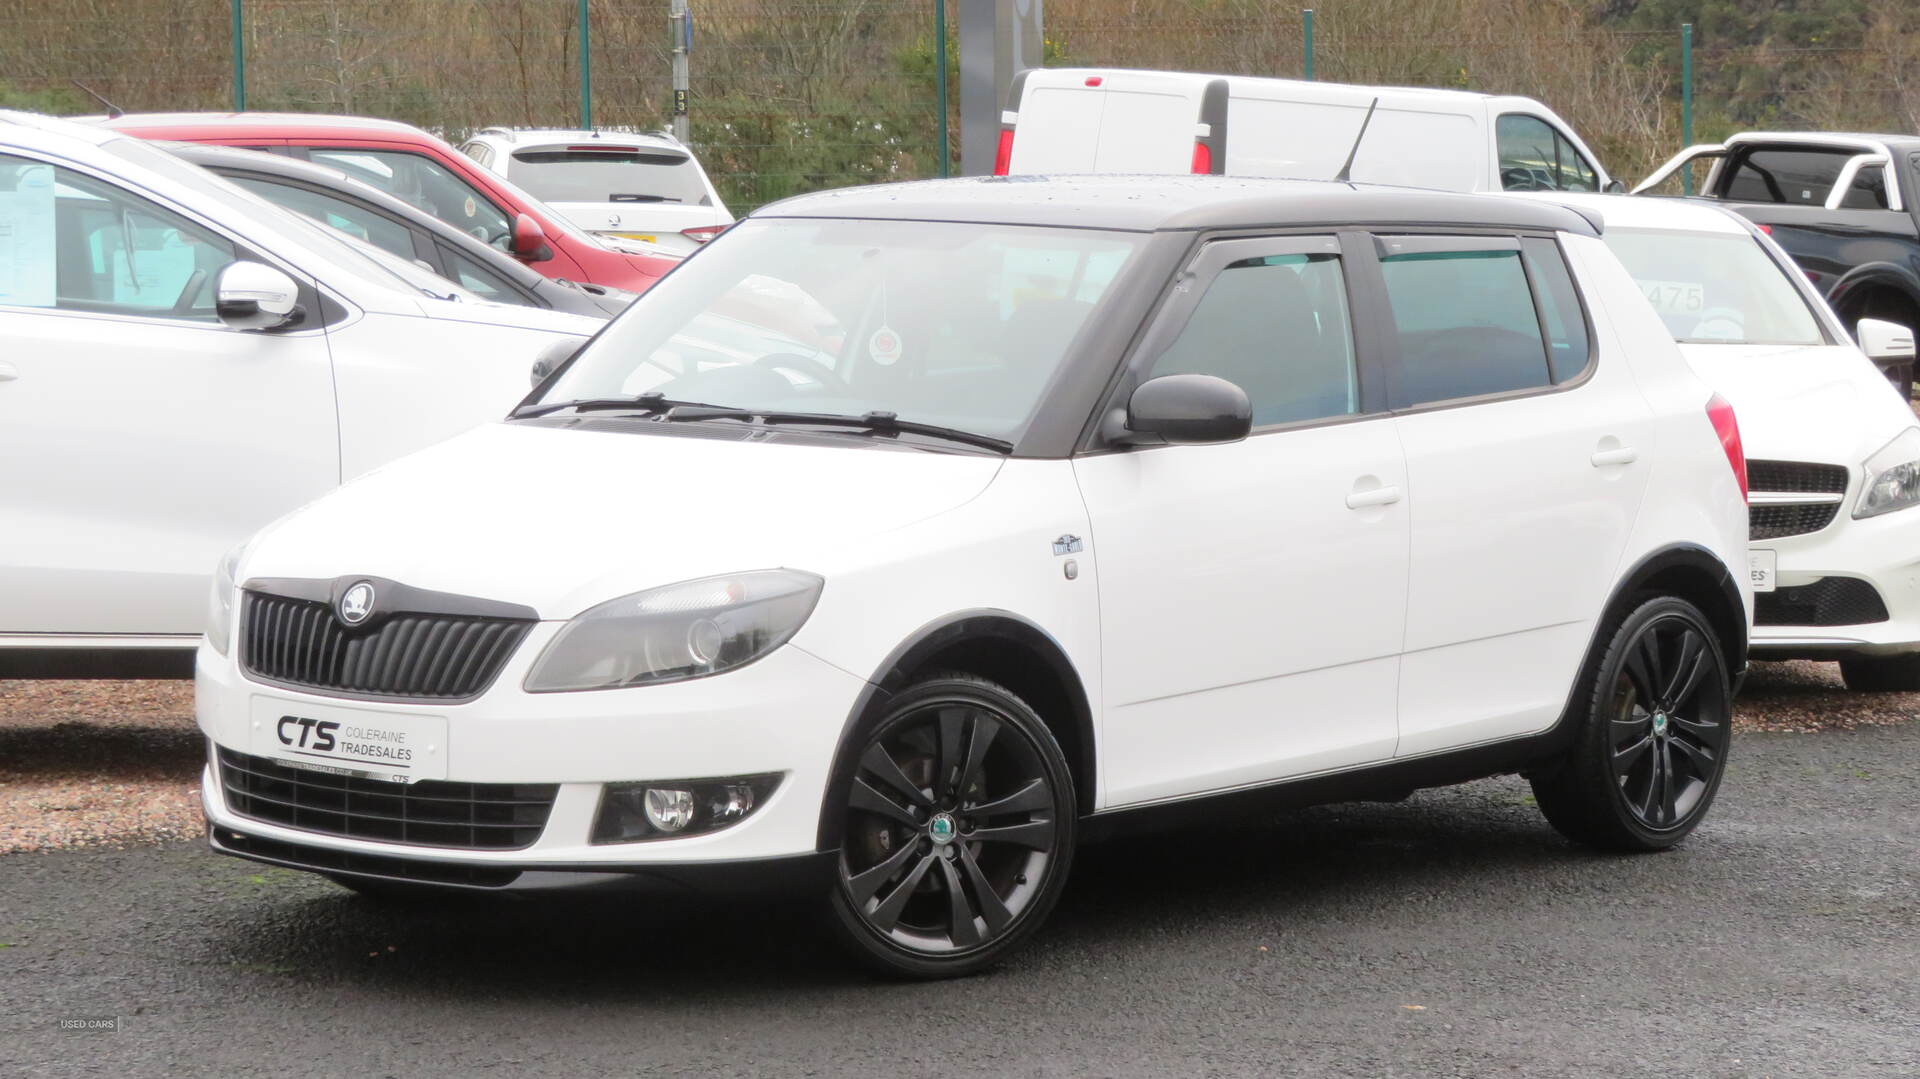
[{"x": 1381, "y": 313}]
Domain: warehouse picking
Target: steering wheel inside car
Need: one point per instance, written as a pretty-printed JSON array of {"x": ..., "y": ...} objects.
[{"x": 806, "y": 365}]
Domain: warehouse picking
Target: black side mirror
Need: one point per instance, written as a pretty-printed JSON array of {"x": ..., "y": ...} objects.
[
  {"x": 1615, "y": 187},
  {"x": 552, "y": 358},
  {"x": 1189, "y": 410}
]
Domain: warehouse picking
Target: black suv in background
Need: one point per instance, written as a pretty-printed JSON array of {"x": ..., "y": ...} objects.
[{"x": 1846, "y": 207}]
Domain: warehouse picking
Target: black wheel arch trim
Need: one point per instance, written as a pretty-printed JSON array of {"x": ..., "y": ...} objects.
[
  {"x": 912, "y": 653},
  {"x": 1874, "y": 275}
]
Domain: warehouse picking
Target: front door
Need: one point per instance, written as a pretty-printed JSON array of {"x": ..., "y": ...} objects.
[
  {"x": 140, "y": 437},
  {"x": 1252, "y": 593}
]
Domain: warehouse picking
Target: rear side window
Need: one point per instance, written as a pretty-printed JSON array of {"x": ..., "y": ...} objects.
[
  {"x": 1796, "y": 177},
  {"x": 1868, "y": 190},
  {"x": 1464, "y": 317},
  {"x": 1568, "y": 347},
  {"x": 1277, "y": 327}
]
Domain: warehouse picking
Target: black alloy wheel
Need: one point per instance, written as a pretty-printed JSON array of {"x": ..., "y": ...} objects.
[
  {"x": 1652, "y": 748},
  {"x": 958, "y": 829}
]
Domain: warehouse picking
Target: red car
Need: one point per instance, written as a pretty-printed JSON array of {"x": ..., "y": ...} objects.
[{"x": 416, "y": 167}]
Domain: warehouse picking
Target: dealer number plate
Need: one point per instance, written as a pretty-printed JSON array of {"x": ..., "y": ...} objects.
[
  {"x": 1760, "y": 569},
  {"x": 398, "y": 746}
]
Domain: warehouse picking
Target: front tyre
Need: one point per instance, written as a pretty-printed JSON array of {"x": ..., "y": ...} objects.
[
  {"x": 958, "y": 830},
  {"x": 1654, "y": 722}
]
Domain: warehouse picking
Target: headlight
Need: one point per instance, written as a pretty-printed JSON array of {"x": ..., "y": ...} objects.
[
  {"x": 687, "y": 630},
  {"x": 1893, "y": 477},
  {"x": 220, "y": 600}
]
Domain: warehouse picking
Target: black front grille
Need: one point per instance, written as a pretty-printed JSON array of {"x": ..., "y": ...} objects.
[
  {"x": 1796, "y": 477},
  {"x": 299, "y": 642},
  {"x": 1796, "y": 519},
  {"x": 1829, "y": 601},
  {"x": 430, "y": 813}
]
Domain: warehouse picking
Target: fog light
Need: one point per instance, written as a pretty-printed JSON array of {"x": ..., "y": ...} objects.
[
  {"x": 634, "y": 812},
  {"x": 669, "y": 810}
]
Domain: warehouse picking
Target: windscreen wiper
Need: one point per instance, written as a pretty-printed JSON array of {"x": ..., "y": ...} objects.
[
  {"x": 622, "y": 196},
  {"x": 650, "y": 402},
  {"x": 875, "y": 422}
]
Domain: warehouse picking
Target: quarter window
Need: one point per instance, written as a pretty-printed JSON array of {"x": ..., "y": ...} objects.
[
  {"x": 1464, "y": 319},
  {"x": 480, "y": 280},
  {"x": 69, "y": 241},
  {"x": 1568, "y": 348},
  {"x": 1534, "y": 156},
  {"x": 1277, "y": 327}
]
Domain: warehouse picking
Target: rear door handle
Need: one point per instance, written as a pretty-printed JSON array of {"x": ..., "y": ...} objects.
[
  {"x": 8, "y": 372},
  {"x": 1375, "y": 496},
  {"x": 1624, "y": 455}
]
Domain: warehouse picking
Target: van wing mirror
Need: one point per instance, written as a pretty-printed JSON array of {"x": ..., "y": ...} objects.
[
  {"x": 1882, "y": 340},
  {"x": 1188, "y": 410},
  {"x": 254, "y": 296}
]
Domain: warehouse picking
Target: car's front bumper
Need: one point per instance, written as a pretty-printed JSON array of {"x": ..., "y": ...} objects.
[
  {"x": 783, "y": 714},
  {"x": 1883, "y": 551}
]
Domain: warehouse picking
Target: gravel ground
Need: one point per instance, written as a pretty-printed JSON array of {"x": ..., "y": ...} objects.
[{"x": 91, "y": 764}]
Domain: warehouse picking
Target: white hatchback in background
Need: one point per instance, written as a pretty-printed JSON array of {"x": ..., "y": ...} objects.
[
  {"x": 646, "y": 187},
  {"x": 1833, "y": 452},
  {"x": 1080, "y": 120},
  {"x": 182, "y": 362}
]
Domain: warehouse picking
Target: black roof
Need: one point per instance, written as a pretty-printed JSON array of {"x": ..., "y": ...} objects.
[{"x": 1159, "y": 203}]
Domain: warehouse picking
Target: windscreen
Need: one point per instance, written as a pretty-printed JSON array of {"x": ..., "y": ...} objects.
[
  {"x": 1715, "y": 288},
  {"x": 566, "y": 174},
  {"x": 961, "y": 325}
]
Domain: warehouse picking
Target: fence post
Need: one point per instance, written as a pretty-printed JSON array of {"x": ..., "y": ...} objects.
[
  {"x": 1686, "y": 101},
  {"x": 586, "y": 70},
  {"x": 239, "y": 61},
  {"x": 940, "y": 83},
  {"x": 1306, "y": 42},
  {"x": 682, "y": 22}
]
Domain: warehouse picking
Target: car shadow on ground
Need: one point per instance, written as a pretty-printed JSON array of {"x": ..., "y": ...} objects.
[{"x": 637, "y": 949}]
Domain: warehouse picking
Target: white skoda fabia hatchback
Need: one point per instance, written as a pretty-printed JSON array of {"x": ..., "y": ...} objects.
[{"x": 908, "y": 535}]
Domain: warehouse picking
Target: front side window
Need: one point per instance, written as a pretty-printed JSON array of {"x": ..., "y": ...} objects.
[
  {"x": 1277, "y": 327},
  {"x": 414, "y": 179},
  {"x": 575, "y": 174},
  {"x": 1534, "y": 156},
  {"x": 961, "y": 325},
  {"x": 480, "y": 280},
  {"x": 1793, "y": 176},
  {"x": 72, "y": 242},
  {"x": 1715, "y": 288},
  {"x": 1464, "y": 319},
  {"x": 351, "y": 218}
]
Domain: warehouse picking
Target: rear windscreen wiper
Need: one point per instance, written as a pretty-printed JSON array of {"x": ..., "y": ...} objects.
[
  {"x": 621, "y": 196},
  {"x": 876, "y": 422},
  {"x": 646, "y": 402}
]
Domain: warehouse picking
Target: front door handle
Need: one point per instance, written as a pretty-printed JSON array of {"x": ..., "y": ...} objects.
[
  {"x": 1373, "y": 496},
  {"x": 8, "y": 372},
  {"x": 1622, "y": 455}
]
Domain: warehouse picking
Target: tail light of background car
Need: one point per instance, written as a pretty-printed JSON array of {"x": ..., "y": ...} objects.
[
  {"x": 1003, "y": 155},
  {"x": 1202, "y": 158},
  {"x": 1728, "y": 428}
]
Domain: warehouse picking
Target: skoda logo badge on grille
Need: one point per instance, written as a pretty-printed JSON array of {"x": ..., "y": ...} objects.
[{"x": 356, "y": 603}]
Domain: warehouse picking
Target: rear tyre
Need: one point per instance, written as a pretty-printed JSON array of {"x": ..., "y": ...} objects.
[
  {"x": 958, "y": 830},
  {"x": 1654, "y": 722},
  {"x": 1882, "y": 674}
]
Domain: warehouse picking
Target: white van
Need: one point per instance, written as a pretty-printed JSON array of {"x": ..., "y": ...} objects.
[{"x": 1062, "y": 120}]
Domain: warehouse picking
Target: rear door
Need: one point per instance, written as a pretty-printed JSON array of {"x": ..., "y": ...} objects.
[
  {"x": 142, "y": 437},
  {"x": 1122, "y": 122},
  {"x": 1528, "y": 452}
]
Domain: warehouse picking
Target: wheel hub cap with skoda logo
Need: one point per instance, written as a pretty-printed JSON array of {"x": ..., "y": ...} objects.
[{"x": 941, "y": 828}]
